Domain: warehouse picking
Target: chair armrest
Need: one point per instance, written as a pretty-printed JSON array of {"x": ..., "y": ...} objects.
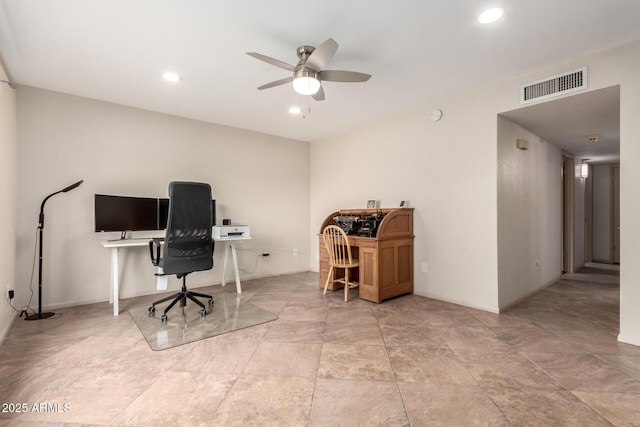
[{"x": 155, "y": 256}]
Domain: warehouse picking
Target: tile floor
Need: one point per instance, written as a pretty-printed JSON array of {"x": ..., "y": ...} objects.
[{"x": 551, "y": 361}]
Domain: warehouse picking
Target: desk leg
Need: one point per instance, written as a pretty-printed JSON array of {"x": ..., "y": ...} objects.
[
  {"x": 113, "y": 296},
  {"x": 224, "y": 264},
  {"x": 235, "y": 267}
]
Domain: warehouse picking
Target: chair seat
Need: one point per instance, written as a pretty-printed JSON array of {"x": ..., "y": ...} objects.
[{"x": 353, "y": 264}]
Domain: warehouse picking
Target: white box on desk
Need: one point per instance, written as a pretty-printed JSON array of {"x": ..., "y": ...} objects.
[{"x": 231, "y": 231}]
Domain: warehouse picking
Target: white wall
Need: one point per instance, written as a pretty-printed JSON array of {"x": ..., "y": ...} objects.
[
  {"x": 256, "y": 179},
  {"x": 529, "y": 213},
  {"x": 8, "y": 210},
  {"x": 601, "y": 247},
  {"x": 448, "y": 171}
]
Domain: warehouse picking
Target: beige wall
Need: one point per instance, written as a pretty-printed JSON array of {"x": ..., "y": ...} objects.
[
  {"x": 579, "y": 200},
  {"x": 448, "y": 171},
  {"x": 602, "y": 198},
  {"x": 624, "y": 64},
  {"x": 256, "y": 179},
  {"x": 8, "y": 211},
  {"x": 529, "y": 214}
]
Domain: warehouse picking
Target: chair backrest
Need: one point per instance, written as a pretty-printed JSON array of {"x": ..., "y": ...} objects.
[
  {"x": 337, "y": 243},
  {"x": 188, "y": 244}
]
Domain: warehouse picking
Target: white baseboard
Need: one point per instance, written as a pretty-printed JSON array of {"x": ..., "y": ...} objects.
[
  {"x": 603, "y": 266},
  {"x": 629, "y": 340},
  {"x": 7, "y": 326},
  {"x": 231, "y": 283},
  {"x": 529, "y": 294},
  {"x": 458, "y": 302}
]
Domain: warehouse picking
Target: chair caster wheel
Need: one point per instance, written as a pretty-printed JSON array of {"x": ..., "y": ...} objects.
[
  {"x": 163, "y": 318},
  {"x": 152, "y": 309},
  {"x": 210, "y": 301},
  {"x": 203, "y": 312}
]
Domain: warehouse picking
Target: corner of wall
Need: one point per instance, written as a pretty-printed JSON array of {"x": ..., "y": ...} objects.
[
  {"x": 8, "y": 193},
  {"x": 6, "y": 324}
]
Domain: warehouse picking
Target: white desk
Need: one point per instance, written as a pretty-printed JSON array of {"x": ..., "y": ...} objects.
[
  {"x": 115, "y": 246},
  {"x": 230, "y": 245}
]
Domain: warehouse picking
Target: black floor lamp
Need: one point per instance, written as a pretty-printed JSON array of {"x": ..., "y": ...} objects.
[{"x": 40, "y": 314}]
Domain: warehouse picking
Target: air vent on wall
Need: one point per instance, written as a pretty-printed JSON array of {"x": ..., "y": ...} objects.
[{"x": 554, "y": 86}]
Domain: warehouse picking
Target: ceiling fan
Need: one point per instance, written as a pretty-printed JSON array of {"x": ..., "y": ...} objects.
[{"x": 308, "y": 74}]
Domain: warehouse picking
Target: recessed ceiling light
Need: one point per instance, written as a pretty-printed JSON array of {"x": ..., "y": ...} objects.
[
  {"x": 295, "y": 110},
  {"x": 491, "y": 15},
  {"x": 171, "y": 77}
]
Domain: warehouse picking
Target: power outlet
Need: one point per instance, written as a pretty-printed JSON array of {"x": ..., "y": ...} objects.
[
  {"x": 295, "y": 252},
  {"x": 9, "y": 292},
  {"x": 424, "y": 267}
]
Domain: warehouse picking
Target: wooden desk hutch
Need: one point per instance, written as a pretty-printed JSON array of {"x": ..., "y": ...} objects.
[{"x": 386, "y": 260}]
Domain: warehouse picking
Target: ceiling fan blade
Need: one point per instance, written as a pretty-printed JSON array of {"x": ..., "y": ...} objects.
[
  {"x": 321, "y": 56},
  {"x": 276, "y": 83},
  {"x": 271, "y": 61},
  {"x": 343, "y": 76},
  {"x": 319, "y": 95}
]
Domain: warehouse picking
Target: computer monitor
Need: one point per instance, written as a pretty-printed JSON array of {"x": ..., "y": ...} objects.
[
  {"x": 163, "y": 213},
  {"x": 122, "y": 213}
]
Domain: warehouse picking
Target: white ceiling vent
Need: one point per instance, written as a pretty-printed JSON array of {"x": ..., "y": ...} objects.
[{"x": 554, "y": 86}]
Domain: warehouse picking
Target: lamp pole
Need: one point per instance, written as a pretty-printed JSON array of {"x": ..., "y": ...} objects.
[{"x": 40, "y": 315}]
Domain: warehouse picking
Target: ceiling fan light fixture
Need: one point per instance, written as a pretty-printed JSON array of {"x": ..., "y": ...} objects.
[
  {"x": 305, "y": 82},
  {"x": 306, "y": 85}
]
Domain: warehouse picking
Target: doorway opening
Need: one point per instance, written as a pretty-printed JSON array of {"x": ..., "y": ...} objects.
[
  {"x": 602, "y": 230},
  {"x": 570, "y": 124}
]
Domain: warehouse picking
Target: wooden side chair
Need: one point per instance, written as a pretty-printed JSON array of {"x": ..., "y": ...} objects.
[{"x": 337, "y": 243}]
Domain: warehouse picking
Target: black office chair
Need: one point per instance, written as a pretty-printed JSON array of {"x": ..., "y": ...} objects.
[{"x": 188, "y": 244}]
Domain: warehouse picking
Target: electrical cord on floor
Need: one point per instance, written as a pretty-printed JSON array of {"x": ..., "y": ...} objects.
[{"x": 15, "y": 309}]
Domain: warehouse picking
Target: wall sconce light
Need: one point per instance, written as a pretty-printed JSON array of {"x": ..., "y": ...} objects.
[
  {"x": 522, "y": 144},
  {"x": 584, "y": 170}
]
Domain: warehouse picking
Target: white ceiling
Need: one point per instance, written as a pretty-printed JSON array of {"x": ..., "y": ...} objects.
[
  {"x": 416, "y": 50},
  {"x": 569, "y": 122}
]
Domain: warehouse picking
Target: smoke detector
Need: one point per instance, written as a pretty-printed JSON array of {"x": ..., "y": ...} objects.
[{"x": 593, "y": 138}]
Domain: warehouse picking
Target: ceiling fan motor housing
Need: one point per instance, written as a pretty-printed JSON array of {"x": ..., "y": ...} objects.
[
  {"x": 305, "y": 72},
  {"x": 304, "y": 52}
]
